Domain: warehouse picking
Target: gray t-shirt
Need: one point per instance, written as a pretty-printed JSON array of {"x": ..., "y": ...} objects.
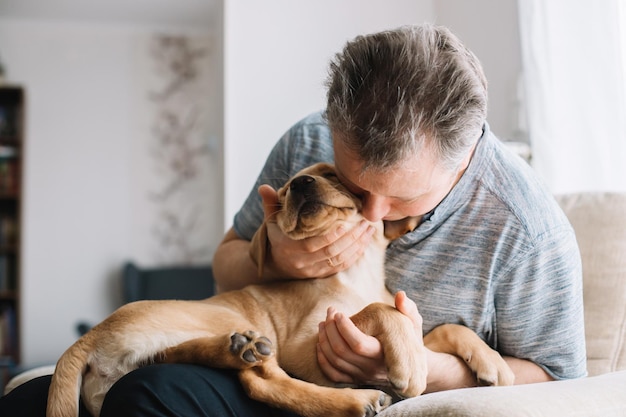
[{"x": 496, "y": 255}]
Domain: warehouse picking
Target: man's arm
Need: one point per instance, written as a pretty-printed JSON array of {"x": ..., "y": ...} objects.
[
  {"x": 447, "y": 372},
  {"x": 527, "y": 372},
  {"x": 232, "y": 266},
  {"x": 360, "y": 357}
]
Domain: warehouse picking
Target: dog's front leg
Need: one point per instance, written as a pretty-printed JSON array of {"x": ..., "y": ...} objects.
[
  {"x": 487, "y": 364},
  {"x": 404, "y": 351},
  {"x": 270, "y": 384},
  {"x": 238, "y": 350}
]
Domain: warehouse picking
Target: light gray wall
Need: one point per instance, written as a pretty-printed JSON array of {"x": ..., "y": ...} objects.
[{"x": 490, "y": 29}]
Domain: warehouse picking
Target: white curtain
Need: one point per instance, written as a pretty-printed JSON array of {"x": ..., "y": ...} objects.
[{"x": 574, "y": 71}]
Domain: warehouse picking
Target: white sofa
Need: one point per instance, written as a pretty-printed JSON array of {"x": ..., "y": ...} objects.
[{"x": 599, "y": 220}]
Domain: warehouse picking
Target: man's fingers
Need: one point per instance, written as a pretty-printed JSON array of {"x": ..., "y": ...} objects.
[
  {"x": 341, "y": 246},
  {"x": 346, "y": 354},
  {"x": 333, "y": 365},
  {"x": 329, "y": 370},
  {"x": 359, "y": 342},
  {"x": 351, "y": 247},
  {"x": 408, "y": 307}
]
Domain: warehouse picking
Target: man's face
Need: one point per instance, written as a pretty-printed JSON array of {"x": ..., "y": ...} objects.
[{"x": 413, "y": 188}]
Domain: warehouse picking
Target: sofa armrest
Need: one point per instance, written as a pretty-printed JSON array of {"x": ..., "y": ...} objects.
[
  {"x": 601, "y": 395},
  {"x": 26, "y": 376}
]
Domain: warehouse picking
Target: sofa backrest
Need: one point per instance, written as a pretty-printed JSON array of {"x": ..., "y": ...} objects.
[{"x": 599, "y": 220}]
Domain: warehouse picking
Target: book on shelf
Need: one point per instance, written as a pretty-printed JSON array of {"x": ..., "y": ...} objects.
[
  {"x": 9, "y": 121},
  {"x": 8, "y": 231},
  {"x": 8, "y": 331},
  {"x": 7, "y": 273},
  {"x": 9, "y": 180},
  {"x": 7, "y": 152}
]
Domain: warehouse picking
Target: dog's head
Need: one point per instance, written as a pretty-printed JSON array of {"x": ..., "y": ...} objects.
[{"x": 311, "y": 203}]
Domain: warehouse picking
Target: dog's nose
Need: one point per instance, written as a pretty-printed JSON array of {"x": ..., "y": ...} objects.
[{"x": 301, "y": 183}]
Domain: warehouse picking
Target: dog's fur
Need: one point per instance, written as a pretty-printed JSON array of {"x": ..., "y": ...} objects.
[{"x": 269, "y": 332}]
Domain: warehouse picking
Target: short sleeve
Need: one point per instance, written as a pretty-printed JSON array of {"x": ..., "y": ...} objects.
[{"x": 539, "y": 306}]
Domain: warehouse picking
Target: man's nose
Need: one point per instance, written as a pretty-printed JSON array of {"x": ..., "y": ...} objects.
[{"x": 375, "y": 208}]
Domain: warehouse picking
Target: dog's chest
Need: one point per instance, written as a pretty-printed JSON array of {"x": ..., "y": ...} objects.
[{"x": 365, "y": 283}]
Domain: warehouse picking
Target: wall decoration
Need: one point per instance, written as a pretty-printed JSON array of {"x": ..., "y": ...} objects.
[{"x": 177, "y": 217}]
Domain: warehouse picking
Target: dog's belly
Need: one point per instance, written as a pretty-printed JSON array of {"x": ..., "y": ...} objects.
[
  {"x": 296, "y": 308},
  {"x": 298, "y": 355},
  {"x": 137, "y": 332}
]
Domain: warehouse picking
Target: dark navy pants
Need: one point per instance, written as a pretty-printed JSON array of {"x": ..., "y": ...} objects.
[{"x": 157, "y": 391}]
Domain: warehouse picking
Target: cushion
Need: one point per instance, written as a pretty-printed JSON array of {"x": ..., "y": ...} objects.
[
  {"x": 601, "y": 396},
  {"x": 599, "y": 220},
  {"x": 27, "y": 376}
]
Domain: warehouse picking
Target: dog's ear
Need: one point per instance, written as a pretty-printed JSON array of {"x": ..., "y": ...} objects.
[
  {"x": 259, "y": 248},
  {"x": 396, "y": 228}
]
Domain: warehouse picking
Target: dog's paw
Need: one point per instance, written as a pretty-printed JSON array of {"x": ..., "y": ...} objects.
[
  {"x": 490, "y": 368},
  {"x": 250, "y": 347},
  {"x": 345, "y": 402},
  {"x": 375, "y": 402},
  {"x": 408, "y": 376}
]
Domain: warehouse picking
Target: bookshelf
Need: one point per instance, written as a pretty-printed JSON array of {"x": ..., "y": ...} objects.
[{"x": 11, "y": 156}]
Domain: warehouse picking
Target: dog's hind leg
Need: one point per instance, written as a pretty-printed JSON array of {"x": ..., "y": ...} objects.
[
  {"x": 405, "y": 355},
  {"x": 237, "y": 351},
  {"x": 487, "y": 364},
  {"x": 270, "y": 384}
]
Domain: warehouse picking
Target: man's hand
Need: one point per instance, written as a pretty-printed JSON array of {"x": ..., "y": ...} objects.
[
  {"x": 345, "y": 354},
  {"x": 314, "y": 257}
]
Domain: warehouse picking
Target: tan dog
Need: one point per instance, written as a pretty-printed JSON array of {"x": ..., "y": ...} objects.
[{"x": 238, "y": 329}]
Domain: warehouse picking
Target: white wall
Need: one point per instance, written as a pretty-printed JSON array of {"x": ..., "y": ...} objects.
[
  {"x": 276, "y": 59},
  {"x": 76, "y": 170},
  {"x": 490, "y": 29},
  {"x": 80, "y": 205}
]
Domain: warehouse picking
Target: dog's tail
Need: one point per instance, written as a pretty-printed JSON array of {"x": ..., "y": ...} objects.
[{"x": 64, "y": 392}]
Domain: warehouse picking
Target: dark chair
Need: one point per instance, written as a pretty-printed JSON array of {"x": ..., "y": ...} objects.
[
  {"x": 176, "y": 282},
  {"x": 164, "y": 283}
]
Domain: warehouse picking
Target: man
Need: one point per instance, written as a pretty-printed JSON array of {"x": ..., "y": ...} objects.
[{"x": 405, "y": 125}]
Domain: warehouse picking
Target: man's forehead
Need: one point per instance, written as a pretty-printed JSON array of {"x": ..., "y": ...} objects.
[{"x": 404, "y": 181}]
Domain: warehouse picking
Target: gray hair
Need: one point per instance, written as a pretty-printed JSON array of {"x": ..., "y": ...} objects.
[{"x": 393, "y": 93}]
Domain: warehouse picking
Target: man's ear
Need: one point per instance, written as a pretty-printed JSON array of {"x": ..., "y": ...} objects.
[{"x": 259, "y": 248}]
